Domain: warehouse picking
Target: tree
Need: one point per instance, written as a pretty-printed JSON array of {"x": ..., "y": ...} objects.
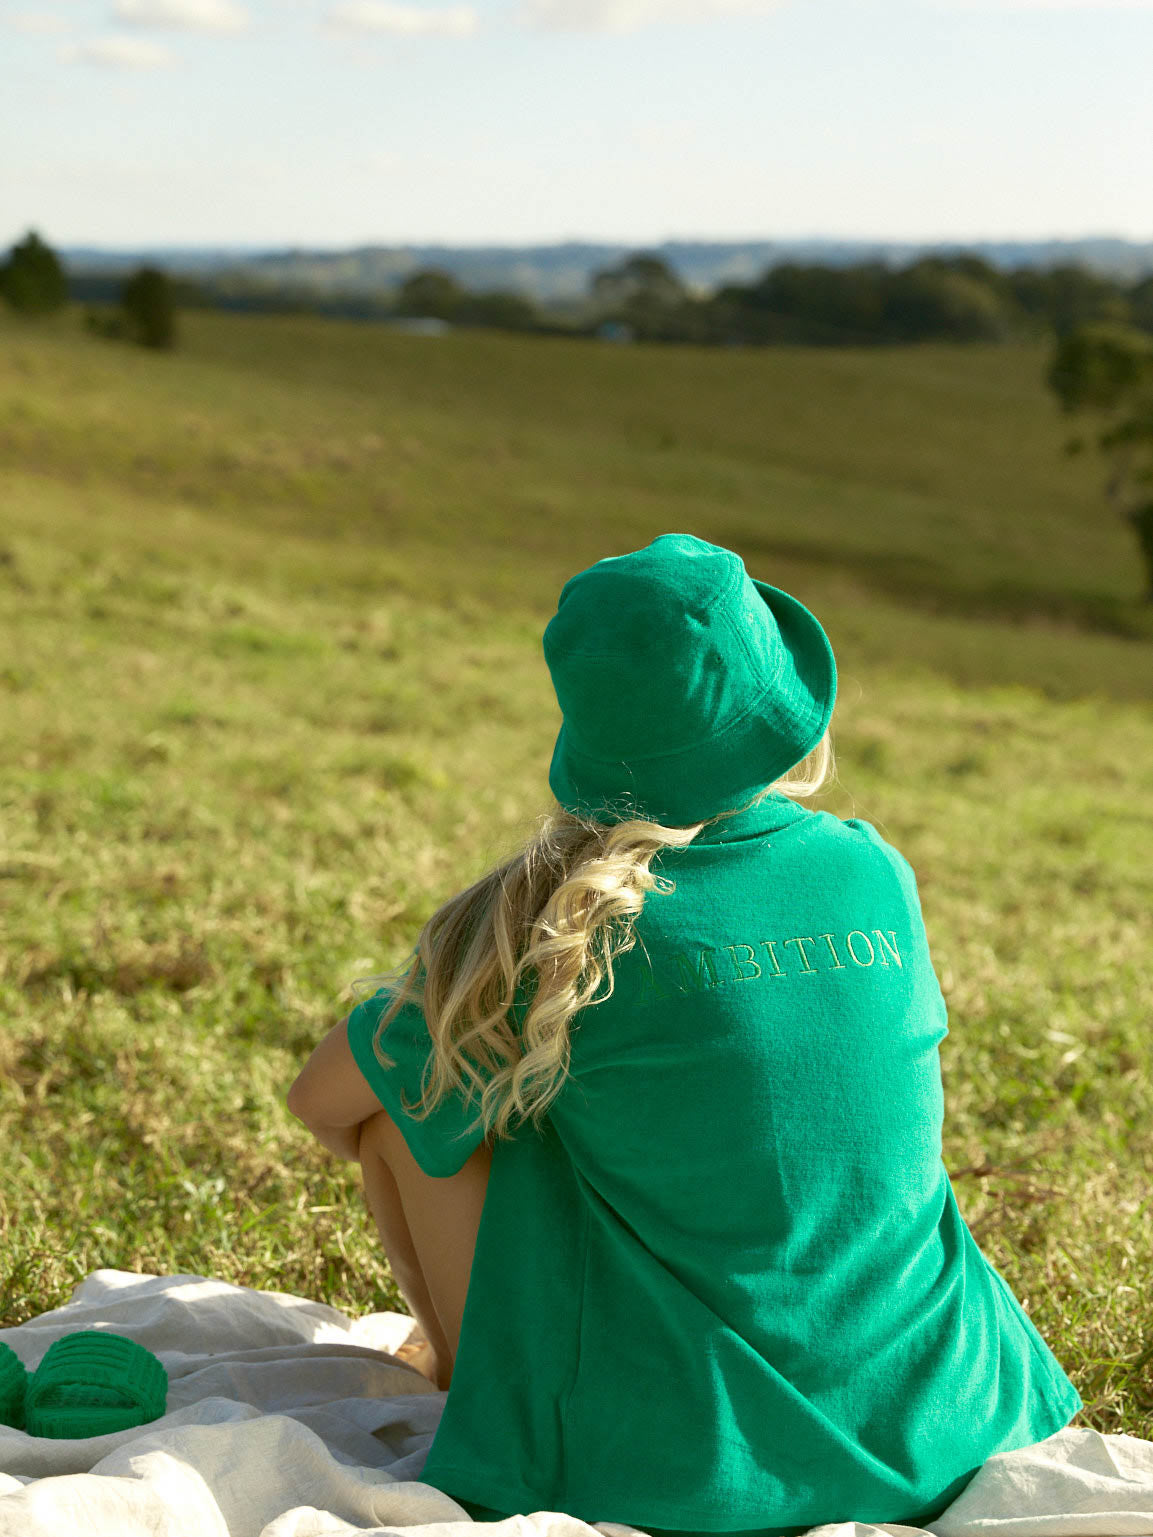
[
  {"x": 432, "y": 291},
  {"x": 1141, "y": 304},
  {"x": 931, "y": 299},
  {"x": 32, "y": 279},
  {"x": 813, "y": 304},
  {"x": 503, "y": 311},
  {"x": 1069, "y": 296},
  {"x": 641, "y": 281},
  {"x": 149, "y": 313},
  {"x": 821, "y": 304},
  {"x": 646, "y": 295},
  {"x": 1107, "y": 368}
]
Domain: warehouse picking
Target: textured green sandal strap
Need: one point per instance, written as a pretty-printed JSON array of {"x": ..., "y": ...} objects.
[
  {"x": 13, "y": 1386},
  {"x": 93, "y": 1383}
]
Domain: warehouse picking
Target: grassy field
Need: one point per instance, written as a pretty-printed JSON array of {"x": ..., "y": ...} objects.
[{"x": 272, "y": 688}]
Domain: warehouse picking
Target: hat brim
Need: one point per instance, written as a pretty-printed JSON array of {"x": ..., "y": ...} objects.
[{"x": 809, "y": 666}]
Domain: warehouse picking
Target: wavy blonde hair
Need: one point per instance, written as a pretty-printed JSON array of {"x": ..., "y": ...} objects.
[{"x": 549, "y": 920}]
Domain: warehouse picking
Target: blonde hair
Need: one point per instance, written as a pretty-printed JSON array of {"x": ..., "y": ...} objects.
[{"x": 572, "y": 893}]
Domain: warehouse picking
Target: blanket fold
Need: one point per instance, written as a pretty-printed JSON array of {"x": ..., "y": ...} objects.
[{"x": 285, "y": 1418}]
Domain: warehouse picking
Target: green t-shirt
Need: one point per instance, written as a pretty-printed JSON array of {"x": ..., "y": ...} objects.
[{"x": 727, "y": 1286}]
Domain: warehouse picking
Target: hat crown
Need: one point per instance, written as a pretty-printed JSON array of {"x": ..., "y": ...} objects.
[
  {"x": 655, "y": 650},
  {"x": 648, "y": 593},
  {"x": 685, "y": 684}
]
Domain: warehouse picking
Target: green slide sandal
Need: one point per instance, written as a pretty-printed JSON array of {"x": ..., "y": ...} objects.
[
  {"x": 13, "y": 1385},
  {"x": 90, "y": 1383}
]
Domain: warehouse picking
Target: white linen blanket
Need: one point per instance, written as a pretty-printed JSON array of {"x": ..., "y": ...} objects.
[{"x": 287, "y": 1419}]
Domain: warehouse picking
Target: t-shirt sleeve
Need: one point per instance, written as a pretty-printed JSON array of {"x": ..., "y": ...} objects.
[
  {"x": 442, "y": 1141},
  {"x": 905, "y": 871}
]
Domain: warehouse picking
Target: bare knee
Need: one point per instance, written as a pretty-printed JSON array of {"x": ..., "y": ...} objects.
[{"x": 380, "y": 1135}]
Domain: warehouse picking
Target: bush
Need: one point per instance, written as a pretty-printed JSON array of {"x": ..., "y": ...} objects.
[
  {"x": 149, "y": 312},
  {"x": 430, "y": 291},
  {"x": 32, "y": 279},
  {"x": 108, "y": 323}
]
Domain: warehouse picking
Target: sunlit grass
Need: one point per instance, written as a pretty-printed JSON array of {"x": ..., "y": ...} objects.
[{"x": 245, "y": 754}]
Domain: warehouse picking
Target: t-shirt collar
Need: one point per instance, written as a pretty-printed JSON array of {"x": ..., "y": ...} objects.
[{"x": 769, "y": 815}]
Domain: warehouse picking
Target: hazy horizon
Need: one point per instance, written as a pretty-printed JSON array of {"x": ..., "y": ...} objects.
[{"x": 495, "y": 243}]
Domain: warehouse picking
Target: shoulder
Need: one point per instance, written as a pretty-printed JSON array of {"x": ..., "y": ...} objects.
[
  {"x": 879, "y": 848},
  {"x": 856, "y": 835},
  {"x": 863, "y": 832}
]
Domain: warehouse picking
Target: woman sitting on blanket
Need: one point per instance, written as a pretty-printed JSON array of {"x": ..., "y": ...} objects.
[{"x": 651, "y": 1123}]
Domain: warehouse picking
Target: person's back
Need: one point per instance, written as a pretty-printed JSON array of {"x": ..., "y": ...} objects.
[
  {"x": 803, "y": 1328},
  {"x": 723, "y": 1284}
]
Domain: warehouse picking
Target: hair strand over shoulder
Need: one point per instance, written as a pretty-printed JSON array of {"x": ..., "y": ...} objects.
[{"x": 538, "y": 935}]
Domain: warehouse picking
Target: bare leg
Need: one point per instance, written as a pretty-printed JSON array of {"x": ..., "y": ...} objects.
[
  {"x": 428, "y": 1228},
  {"x": 384, "y": 1205}
]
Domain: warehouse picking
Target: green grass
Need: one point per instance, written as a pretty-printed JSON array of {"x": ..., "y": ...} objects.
[
  {"x": 272, "y": 688},
  {"x": 908, "y": 491}
]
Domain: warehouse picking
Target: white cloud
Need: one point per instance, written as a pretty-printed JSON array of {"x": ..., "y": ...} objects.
[
  {"x": 35, "y": 21},
  {"x": 121, "y": 53},
  {"x": 402, "y": 20},
  {"x": 193, "y": 15},
  {"x": 631, "y": 15}
]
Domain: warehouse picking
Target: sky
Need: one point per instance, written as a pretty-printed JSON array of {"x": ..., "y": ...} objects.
[{"x": 330, "y": 123}]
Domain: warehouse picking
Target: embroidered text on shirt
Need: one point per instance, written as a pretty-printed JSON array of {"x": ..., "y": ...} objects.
[{"x": 740, "y": 962}]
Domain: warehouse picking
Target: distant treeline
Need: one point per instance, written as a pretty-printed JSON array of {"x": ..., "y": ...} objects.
[
  {"x": 1102, "y": 362},
  {"x": 959, "y": 298},
  {"x": 935, "y": 298},
  {"x": 34, "y": 284}
]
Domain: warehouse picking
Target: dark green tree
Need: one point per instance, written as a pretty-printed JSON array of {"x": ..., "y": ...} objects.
[
  {"x": 1141, "y": 304},
  {"x": 1107, "y": 369},
  {"x": 1069, "y": 296},
  {"x": 431, "y": 292},
  {"x": 500, "y": 310},
  {"x": 644, "y": 293},
  {"x": 809, "y": 303},
  {"x": 977, "y": 267},
  {"x": 930, "y": 298},
  {"x": 148, "y": 308},
  {"x": 639, "y": 282},
  {"x": 32, "y": 279}
]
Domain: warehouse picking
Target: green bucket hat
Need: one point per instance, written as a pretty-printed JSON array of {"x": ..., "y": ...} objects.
[{"x": 685, "y": 684}]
